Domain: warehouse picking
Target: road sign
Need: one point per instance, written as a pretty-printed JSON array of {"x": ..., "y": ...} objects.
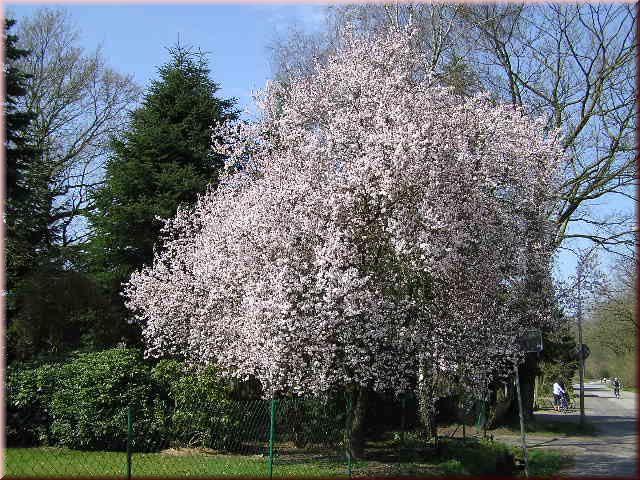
[
  {"x": 531, "y": 341},
  {"x": 585, "y": 351}
]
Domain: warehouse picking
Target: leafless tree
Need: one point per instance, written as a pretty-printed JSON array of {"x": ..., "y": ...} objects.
[
  {"x": 573, "y": 63},
  {"x": 79, "y": 104},
  {"x": 437, "y": 39}
]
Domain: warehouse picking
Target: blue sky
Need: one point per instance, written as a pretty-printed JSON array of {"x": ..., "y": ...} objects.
[{"x": 133, "y": 39}]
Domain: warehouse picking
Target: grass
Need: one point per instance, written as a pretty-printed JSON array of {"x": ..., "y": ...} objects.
[
  {"x": 484, "y": 458},
  {"x": 456, "y": 458},
  {"x": 546, "y": 463},
  {"x": 478, "y": 457},
  {"x": 543, "y": 462},
  {"x": 37, "y": 462},
  {"x": 566, "y": 428}
]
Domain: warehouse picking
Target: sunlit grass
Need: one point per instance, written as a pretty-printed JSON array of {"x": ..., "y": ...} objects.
[{"x": 454, "y": 459}]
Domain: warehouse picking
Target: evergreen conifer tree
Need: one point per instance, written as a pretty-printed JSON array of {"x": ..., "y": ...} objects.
[
  {"x": 25, "y": 219},
  {"x": 162, "y": 161}
]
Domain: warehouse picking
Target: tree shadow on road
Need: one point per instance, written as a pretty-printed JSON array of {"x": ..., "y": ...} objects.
[{"x": 601, "y": 465}]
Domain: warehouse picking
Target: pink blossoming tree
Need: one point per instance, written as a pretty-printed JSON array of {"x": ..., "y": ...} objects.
[{"x": 372, "y": 229}]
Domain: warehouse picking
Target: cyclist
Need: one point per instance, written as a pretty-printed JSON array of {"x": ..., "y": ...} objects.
[
  {"x": 558, "y": 393},
  {"x": 564, "y": 399},
  {"x": 615, "y": 383}
]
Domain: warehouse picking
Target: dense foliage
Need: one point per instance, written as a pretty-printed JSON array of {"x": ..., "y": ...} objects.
[
  {"x": 82, "y": 403},
  {"x": 93, "y": 391},
  {"x": 611, "y": 330},
  {"x": 196, "y": 403},
  {"x": 25, "y": 216},
  {"x": 17, "y": 149},
  {"x": 58, "y": 310},
  {"x": 28, "y": 394},
  {"x": 163, "y": 160}
]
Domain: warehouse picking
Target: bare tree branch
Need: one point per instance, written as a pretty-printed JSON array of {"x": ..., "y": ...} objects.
[{"x": 79, "y": 104}]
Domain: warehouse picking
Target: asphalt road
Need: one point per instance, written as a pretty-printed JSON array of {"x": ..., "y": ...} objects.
[{"x": 613, "y": 451}]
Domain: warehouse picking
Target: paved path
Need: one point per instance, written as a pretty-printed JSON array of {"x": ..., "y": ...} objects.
[{"x": 612, "y": 452}]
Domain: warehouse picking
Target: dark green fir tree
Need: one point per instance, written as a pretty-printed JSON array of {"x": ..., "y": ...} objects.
[
  {"x": 25, "y": 209},
  {"x": 163, "y": 160}
]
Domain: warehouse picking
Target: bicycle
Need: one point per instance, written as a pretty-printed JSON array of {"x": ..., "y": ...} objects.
[
  {"x": 616, "y": 391},
  {"x": 566, "y": 403}
]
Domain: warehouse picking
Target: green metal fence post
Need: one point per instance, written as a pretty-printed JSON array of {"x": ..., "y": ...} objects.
[
  {"x": 485, "y": 414},
  {"x": 402, "y": 424},
  {"x": 348, "y": 433},
  {"x": 272, "y": 434},
  {"x": 523, "y": 432},
  {"x": 129, "y": 439}
]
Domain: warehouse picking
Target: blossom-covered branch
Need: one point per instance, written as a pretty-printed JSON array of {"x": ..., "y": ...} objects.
[{"x": 372, "y": 225}]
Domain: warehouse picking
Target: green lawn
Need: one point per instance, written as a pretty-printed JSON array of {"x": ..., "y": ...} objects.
[
  {"x": 471, "y": 458},
  {"x": 546, "y": 463},
  {"x": 479, "y": 459},
  {"x": 21, "y": 462}
]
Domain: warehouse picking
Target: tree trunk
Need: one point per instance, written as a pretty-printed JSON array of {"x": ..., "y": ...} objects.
[
  {"x": 427, "y": 406},
  {"x": 528, "y": 371},
  {"x": 360, "y": 396}
]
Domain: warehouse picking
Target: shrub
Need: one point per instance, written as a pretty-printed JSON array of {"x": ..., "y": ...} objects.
[
  {"x": 195, "y": 403},
  {"x": 311, "y": 421},
  {"x": 28, "y": 396},
  {"x": 82, "y": 403},
  {"x": 93, "y": 392}
]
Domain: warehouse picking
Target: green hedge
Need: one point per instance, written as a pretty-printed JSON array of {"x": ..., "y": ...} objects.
[
  {"x": 82, "y": 403},
  {"x": 195, "y": 404},
  {"x": 28, "y": 391},
  {"x": 93, "y": 392}
]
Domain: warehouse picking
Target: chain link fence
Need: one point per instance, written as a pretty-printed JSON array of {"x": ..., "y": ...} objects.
[
  {"x": 286, "y": 437},
  {"x": 110, "y": 414},
  {"x": 249, "y": 438}
]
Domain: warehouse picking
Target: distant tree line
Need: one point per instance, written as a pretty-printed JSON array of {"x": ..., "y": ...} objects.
[
  {"x": 612, "y": 326},
  {"x": 92, "y": 167}
]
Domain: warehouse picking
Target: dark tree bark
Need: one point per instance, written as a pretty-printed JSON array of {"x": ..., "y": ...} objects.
[
  {"x": 359, "y": 401},
  {"x": 528, "y": 371}
]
